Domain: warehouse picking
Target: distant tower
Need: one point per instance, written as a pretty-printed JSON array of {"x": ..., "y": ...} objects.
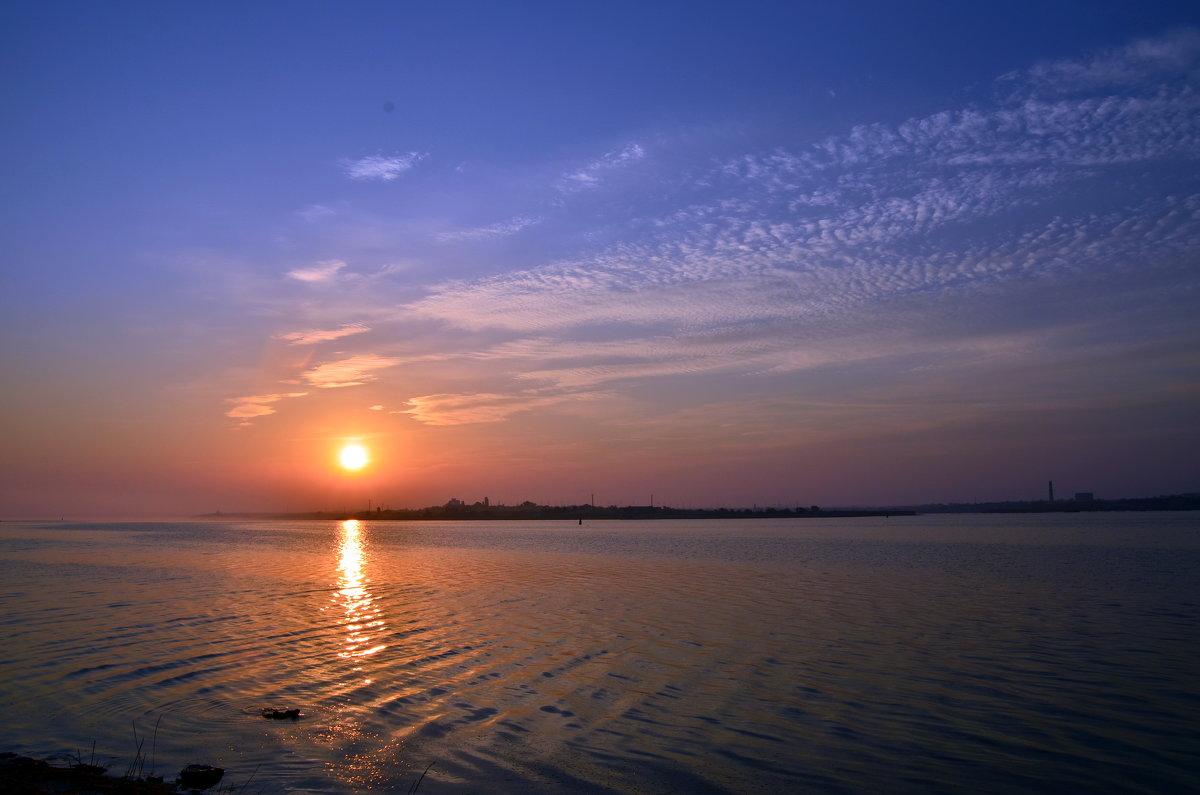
[{"x": 1052, "y": 491}]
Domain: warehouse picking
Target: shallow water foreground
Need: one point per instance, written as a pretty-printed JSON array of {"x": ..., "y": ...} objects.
[{"x": 914, "y": 654}]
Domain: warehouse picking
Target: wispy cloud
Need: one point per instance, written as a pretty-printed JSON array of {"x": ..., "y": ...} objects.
[
  {"x": 464, "y": 409},
  {"x": 353, "y": 371},
  {"x": 501, "y": 229},
  {"x": 321, "y": 335},
  {"x": 591, "y": 174},
  {"x": 1138, "y": 65},
  {"x": 381, "y": 167},
  {"x": 252, "y": 406},
  {"x": 321, "y": 272}
]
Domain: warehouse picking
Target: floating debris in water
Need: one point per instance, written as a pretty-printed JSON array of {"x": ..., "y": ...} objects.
[{"x": 281, "y": 714}]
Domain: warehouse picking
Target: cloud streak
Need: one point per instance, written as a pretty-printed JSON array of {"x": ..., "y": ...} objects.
[
  {"x": 254, "y": 406},
  {"x": 315, "y": 336},
  {"x": 321, "y": 272},
  {"x": 477, "y": 408},
  {"x": 501, "y": 229},
  {"x": 1134, "y": 67},
  {"x": 352, "y": 371},
  {"x": 381, "y": 168},
  {"x": 592, "y": 174}
]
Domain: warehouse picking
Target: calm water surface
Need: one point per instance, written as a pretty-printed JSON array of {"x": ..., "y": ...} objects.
[{"x": 1042, "y": 653}]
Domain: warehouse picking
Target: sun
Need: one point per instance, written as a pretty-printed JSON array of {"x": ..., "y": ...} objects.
[{"x": 353, "y": 456}]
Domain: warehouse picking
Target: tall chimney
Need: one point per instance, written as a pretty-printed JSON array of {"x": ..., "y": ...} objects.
[{"x": 1052, "y": 491}]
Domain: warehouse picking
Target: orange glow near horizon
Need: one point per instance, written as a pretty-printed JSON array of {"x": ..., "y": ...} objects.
[{"x": 353, "y": 457}]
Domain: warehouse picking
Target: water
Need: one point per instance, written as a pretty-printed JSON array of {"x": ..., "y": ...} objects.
[{"x": 1044, "y": 653}]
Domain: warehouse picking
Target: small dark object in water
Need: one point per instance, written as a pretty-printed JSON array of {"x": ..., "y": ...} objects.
[
  {"x": 281, "y": 714},
  {"x": 200, "y": 776}
]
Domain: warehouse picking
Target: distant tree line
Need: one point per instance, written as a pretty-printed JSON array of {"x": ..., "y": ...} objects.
[
  {"x": 457, "y": 510},
  {"x": 1166, "y": 502}
]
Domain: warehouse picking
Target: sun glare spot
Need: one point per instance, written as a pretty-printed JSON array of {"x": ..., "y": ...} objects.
[{"x": 353, "y": 456}]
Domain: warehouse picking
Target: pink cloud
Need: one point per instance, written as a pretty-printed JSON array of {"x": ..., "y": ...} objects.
[
  {"x": 348, "y": 372},
  {"x": 322, "y": 335},
  {"x": 322, "y": 271},
  {"x": 252, "y": 406}
]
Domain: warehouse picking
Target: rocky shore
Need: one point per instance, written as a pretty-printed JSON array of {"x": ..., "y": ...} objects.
[{"x": 23, "y": 775}]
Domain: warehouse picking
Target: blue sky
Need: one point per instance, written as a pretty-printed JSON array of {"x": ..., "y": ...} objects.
[{"x": 766, "y": 253}]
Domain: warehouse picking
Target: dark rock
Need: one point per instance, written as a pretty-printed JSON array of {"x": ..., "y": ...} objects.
[
  {"x": 281, "y": 714},
  {"x": 200, "y": 776},
  {"x": 24, "y": 766}
]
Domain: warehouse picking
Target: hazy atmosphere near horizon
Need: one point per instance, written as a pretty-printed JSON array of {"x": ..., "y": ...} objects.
[{"x": 727, "y": 254}]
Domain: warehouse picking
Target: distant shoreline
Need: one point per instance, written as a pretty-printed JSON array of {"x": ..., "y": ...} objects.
[
  {"x": 560, "y": 513},
  {"x": 460, "y": 511}
]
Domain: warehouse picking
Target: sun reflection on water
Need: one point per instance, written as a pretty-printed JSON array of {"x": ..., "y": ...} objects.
[{"x": 362, "y": 623}]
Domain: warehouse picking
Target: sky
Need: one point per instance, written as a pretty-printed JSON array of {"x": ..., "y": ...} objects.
[{"x": 705, "y": 253}]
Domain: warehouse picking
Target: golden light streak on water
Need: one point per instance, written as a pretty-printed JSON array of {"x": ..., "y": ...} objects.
[{"x": 363, "y": 620}]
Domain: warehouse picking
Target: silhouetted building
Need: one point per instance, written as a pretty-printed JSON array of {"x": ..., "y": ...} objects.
[{"x": 1084, "y": 496}]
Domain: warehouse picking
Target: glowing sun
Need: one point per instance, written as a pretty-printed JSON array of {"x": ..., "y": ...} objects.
[{"x": 353, "y": 456}]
